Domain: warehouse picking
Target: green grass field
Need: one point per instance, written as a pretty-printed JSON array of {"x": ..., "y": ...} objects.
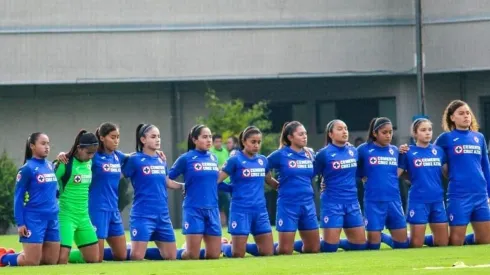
[{"x": 366, "y": 262}]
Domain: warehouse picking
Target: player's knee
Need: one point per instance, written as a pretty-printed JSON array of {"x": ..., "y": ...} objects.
[
  {"x": 456, "y": 240},
  {"x": 137, "y": 256},
  {"x": 119, "y": 256},
  {"x": 416, "y": 243},
  {"x": 238, "y": 254},
  {"x": 314, "y": 248},
  {"x": 441, "y": 242},
  {"x": 212, "y": 255},
  {"x": 285, "y": 250}
]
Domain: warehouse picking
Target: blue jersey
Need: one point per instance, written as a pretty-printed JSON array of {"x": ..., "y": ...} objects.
[
  {"x": 200, "y": 170},
  {"x": 469, "y": 171},
  {"x": 35, "y": 190},
  {"x": 247, "y": 176},
  {"x": 338, "y": 166},
  {"x": 295, "y": 174},
  {"x": 424, "y": 168},
  {"x": 106, "y": 174},
  {"x": 380, "y": 166},
  {"x": 149, "y": 179}
]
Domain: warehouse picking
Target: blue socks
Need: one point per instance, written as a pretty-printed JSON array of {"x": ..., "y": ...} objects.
[
  {"x": 328, "y": 248},
  {"x": 202, "y": 254},
  {"x": 469, "y": 239},
  {"x": 373, "y": 246},
  {"x": 108, "y": 254},
  {"x": 179, "y": 253},
  {"x": 227, "y": 250},
  {"x": 253, "y": 250},
  {"x": 348, "y": 246},
  {"x": 429, "y": 240},
  {"x": 401, "y": 245},
  {"x": 386, "y": 239},
  {"x": 152, "y": 254},
  {"x": 10, "y": 259},
  {"x": 298, "y": 246}
]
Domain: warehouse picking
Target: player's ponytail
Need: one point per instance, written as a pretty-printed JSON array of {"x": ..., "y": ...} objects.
[
  {"x": 194, "y": 135},
  {"x": 30, "y": 140},
  {"x": 287, "y": 130},
  {"x": 375, "y": 124}
]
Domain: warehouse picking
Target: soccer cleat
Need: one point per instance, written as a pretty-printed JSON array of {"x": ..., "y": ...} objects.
[
  {"x": 225, "y": 241},
  {"x": 3, "y": 252}
]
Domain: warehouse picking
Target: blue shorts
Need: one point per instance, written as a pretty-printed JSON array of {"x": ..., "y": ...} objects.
[
  {"x": 462, "y": 211},
  {"x": 292, "y": 217},
  {"x": 379, "y": 214},
  {"x": 423, "y": 213},
  {"x": 107, "y": 224},
  {"x": 249, "y": 222},
  {"x": 158, "y": 228},
  {"x": 201, "y": 221},
  {"x": 40, "y": 229},
  {"x": 341, "y": 215}
]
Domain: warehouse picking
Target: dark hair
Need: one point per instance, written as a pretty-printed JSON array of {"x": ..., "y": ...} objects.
[
  {"x": 415, "y": 126},
  {"x": 448, "y": 125},
  {"x": 246, "y": 133},
  {"x": 194, "y": 134},
  {"x": 374, "y": 126},
  {"x": 217, "y": 136},
  {"x": 235, "y": 140},
  {"x": 103, "y": 130},
  {"x": 288, "y": 129},
  {"x": 329, "y": 129},
  {"x": 83, "y": 139},
  {"x": 141, "y": 130},
  {"x": 31, "y": 140}
]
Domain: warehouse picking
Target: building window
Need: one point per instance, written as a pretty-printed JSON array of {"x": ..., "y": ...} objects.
[{"x": 356, "y": 113}]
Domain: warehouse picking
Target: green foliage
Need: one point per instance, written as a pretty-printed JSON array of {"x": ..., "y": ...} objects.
[
  {"x": 231, "y": 117},
  {"x": 125, "y": 194},
  {"x": 8, "y": 172}
]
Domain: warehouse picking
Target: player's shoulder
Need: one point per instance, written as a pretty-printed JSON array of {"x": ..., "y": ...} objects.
[
  {"x": 364, "y": 146},
  {"x": 394, "y": 147},
  {"x": 276, "y": 153}
]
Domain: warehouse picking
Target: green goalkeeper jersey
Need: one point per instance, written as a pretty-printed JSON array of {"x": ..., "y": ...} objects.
[{"x": 73, "y": 197}]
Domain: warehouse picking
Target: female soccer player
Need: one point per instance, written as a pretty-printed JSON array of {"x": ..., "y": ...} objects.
[
  {"x": 248, "y": 213},
  {"x": 424, "y": 163},
  {"x": 469, "y": 174},
  {"x": 74, "y": 181},
  {"x": 337, "y": 164},
  {"x": 201, "y": 218},
  {"x": 149, "y": 218},
  {"x": 378, "y": 165},
  {"x": 295, "y": 206},
  {"x": 35, "y": 208}
]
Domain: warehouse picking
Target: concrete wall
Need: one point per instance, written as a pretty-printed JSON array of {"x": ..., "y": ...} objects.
[{"x": 112, "y": 41}]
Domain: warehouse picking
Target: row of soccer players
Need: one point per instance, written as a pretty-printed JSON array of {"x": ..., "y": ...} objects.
[{"x": 93, "y": 161}]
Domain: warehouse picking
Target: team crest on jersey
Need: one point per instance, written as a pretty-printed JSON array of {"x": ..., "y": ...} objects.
[
  {"x": 134, "y": 232},
  {"x": 476, "y": 139},
  {"x": 336, "y": 165},
  {"x": 373, "y": 160},
  {"x": 280, "y": 222},
  {"x": 292, "y": 164},
  {"x": 186, "y": 225},
  {"x": 412, "y": 213},
  {"x": 19, "y": 177},
  {"x": 41, "y": 179},
  {"x": 77, "y": 178},
  {"x": 106, "y": 167},
  {"x": 325, "y": 219},
  {"x": 246, "y": 173},
  {"x": 418, "y": 162},
  {"x": 197, "y": 166},
  {"x": 261, "y": 162},
  {"x": 458, "y": 149},
  {"x": 434, "y": 152},
  {"x": 146, "y": 170},
  {"x": 351, "y": 153},
  {"x": 233, "y": 224},
  {"x": 391, "y": 151}
]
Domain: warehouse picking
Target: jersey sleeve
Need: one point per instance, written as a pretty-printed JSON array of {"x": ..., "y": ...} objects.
[
  {"x": 360, "y": 160},
  {"x": 266, "y": 164},
  {"x": 443, "y": 156},
  {"x": 403, "y": 161},
  {"x": 123, "y": 158},
  {"x": 319, "y": 164},
  {"x": 129, "y": 168},
  {"x": 178, "y": 168},
  {"x": 230, "y": 166},
  {"x": 441, "y": 141},
  {"x": 23, "y": 178},
  {"x": 59, "y": 172},
  {"x": 274, "y": 160},
  {"x": 485, "y": 164}
]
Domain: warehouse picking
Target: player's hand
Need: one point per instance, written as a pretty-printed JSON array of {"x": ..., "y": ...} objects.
[
  {"x": 161, "y": 155},
  {"x": 403, "y": 149},
  {"x": 62, "y": 158},
  {"x": 23, "y": 232}
]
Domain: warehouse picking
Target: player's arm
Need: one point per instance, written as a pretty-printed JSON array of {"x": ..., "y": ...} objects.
[
  {"x": 172, "y": 184},
  {"x": 59, "y": 172},
  {"x": 485, "y": 165},
  {"x": 23, "y": 179}
]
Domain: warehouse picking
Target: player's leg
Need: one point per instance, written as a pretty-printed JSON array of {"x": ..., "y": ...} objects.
[
  {"x": 438, "y": 224},
  {"x": 193, "y": 229},
  {"x": 86, "y": 240},
  {"x": 397, "y": 224},
  {"x": 239, "y": 227},
  {"x": 417, "y": 217},
  {"x": 100, "y": 221},
  {"x": 354, "y": 228},
  {"x": 459, "y": 213},
  {"x": 332, "y": 220},
  {"x": 480, "y": 221},
  {"x": 287, "y": 217},
  {"x": 212, "y": 234},
  {"x": 67, "y": 231},
  {"x": 308, "y": 228},
  {"x": 116, "y": 238},
  {"x": 164, "y": 238},
  {"x": 262, "y": 232},
  {"x": 374, "y": 219},
  {"x": 141, "y": 229}
]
